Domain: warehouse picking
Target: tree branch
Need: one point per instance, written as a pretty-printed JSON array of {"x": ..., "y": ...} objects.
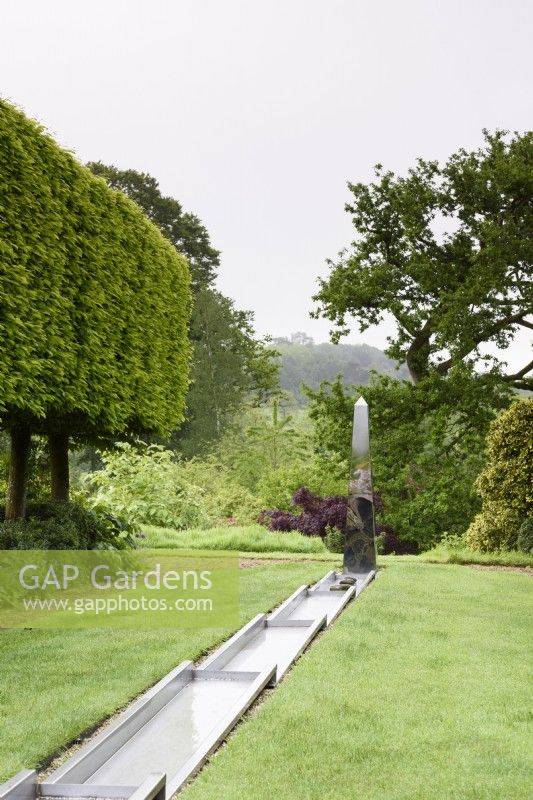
[
  {"x": 526, "y": 324},
  {"x": 445, "y": 366},
  {"x": 417, "y": 357},
  {"x": 520, "y": 374}
]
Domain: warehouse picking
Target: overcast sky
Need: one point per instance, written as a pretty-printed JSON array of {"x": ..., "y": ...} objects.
[{"x": 256, "y": 114}]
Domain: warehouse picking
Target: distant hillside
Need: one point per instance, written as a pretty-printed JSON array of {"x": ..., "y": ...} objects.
[{"x": 303, "y": 361}]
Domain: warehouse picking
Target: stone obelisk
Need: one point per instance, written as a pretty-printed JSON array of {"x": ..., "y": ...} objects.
[{"x": 360, "y": 539}]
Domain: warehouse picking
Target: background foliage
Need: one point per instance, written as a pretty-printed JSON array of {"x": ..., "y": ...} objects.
[
  {"x": 66, "y": 526},
  {"x": 230, "y": 367},
  {"x": 149, "y": 484},
  {"x": 146, "y": 484},
  {"x": 302, "y": 361},
  {"x": 427, "y": 444}
]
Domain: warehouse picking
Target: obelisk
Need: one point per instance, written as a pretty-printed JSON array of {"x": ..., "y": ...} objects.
[{"x": 360, "y": 537}]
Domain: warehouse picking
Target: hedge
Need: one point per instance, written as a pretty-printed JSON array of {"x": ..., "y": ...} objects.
[
  {"x": 506, "y": 482},
  {"x": 95, "y": 301}
]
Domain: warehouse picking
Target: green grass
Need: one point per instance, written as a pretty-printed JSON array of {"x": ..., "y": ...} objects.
[
  {"x": 256, "y": 540},
  {"x": 420, "y": 691},
  {"x": 333, "y": 560},
  {"x": 252, "y": 538},
  {"x": 446, "y": 555},
  {"x": 56, "y": 684},
  {"x": 423, "y": 687}
]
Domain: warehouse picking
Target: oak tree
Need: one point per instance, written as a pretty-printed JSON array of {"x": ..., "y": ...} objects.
[{"x": 447, "y": 251}]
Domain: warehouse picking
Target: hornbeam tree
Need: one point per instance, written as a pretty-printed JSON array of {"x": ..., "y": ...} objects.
[
  {"x": 447, "y": 251},
  {"x": 95, "y": 308}
]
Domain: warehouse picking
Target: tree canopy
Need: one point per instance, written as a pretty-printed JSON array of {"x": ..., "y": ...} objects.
[
  {"x": 447, "y": 251},
  {"x": 183, "y": 229},
  {"x": 229, "y": 363}
]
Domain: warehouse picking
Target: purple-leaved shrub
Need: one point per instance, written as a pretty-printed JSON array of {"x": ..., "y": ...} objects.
[
  {"x": 318, "y": 514},
  {"x": 321, "y": 513}
]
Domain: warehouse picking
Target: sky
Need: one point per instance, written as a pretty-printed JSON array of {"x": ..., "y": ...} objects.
[{"x": 255, "y": 115}]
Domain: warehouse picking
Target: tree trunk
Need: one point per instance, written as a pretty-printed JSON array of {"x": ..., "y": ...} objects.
[
  {"x": 18, "y": 473},
  {"x": 415, "y": 374},
  {"x": 58, "y": 445},
  {"x": 417, "y": 357},
  {"x": 419, "y": 352}
]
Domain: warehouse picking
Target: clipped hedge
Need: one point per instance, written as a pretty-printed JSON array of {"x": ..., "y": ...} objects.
[
  {"x": 95, "y": 301},
  {"x": 506, "y": 482}
]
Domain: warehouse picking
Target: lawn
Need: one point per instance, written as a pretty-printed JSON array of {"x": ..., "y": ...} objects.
[
  {"x": 421, "y": 690},
  {"x": 56, "y": 684},
  {"x": 450, "y": 555},
  {"x": 256, "y": 539},
  {"x": 251, "y": 538}
]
